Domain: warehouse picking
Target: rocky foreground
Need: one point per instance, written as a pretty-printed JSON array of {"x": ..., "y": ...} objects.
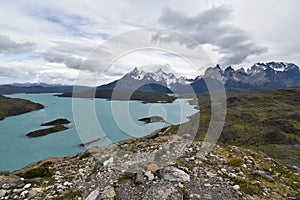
[{"x": 166, "y": 167}]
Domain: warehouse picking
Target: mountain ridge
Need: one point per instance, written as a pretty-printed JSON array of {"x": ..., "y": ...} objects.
[{"x": 272, "y": 75}]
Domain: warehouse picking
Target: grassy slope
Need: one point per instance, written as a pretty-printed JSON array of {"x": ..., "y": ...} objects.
[
  {"x": 15, "y": 106},
  {"x": 268, "y": 122}
]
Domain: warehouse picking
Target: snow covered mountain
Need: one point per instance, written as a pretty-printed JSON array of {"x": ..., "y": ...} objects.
[
  {"x": 269, "y": 75},
  {"x": 35, "y": 84},
  {"x": 158, "y": 81}
]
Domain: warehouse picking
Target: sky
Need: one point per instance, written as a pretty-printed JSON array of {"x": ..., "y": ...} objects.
[{"x": 54, "y": 41}]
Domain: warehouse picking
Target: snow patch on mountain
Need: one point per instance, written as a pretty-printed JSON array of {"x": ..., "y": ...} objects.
[{"x": 159, "y": 76}]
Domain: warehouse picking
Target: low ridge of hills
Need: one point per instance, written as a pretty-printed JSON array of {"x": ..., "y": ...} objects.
[{"x": 15, "y": 106}]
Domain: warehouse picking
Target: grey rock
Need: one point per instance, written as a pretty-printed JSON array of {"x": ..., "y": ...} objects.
[
  {"x": 108, "y": 193},
  {"x": 195, "y": 196},
  {"x": 6, "y": 186},
  {"x": 149, "y": 175},
  {"x": 17, "y": 190},
  {"x": 163, "y": 191},
  {"x": 139, "y": 177},
  {"x": 171, "y": 173},
  {"x": 236, "y": 187},
  {"x": 27, "y": 186},
  {"x": 24, "y": 193},
  {"x": 232, "y": 175},
  {"x": 32, "y": 193},
  {"x": 95, "y": 195},
  {"x": 2, "y": 193},
  {"x": 264, "y": 175},
  {"x": 292, "y": 167},
  {"x": 108, "y": 161},
  {"x": 236, "y": 149},
  {"x": 187, "y": 137}
]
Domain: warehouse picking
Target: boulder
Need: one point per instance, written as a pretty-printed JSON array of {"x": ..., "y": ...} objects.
[
  {"x": 108, "y": 193},
  {"x": 149, "y": 175},
  {"x": 95, "y": 195},
  {"x": 2, "y": 193},
  {"x": 163, "y": 191},
  {"x": 108, "y": 161},
  {"x": 236, "y": 187},
  {"x": 171, "y": 173}
]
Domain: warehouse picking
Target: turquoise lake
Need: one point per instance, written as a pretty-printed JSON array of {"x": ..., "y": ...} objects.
[{"x": 115, "y": 121}]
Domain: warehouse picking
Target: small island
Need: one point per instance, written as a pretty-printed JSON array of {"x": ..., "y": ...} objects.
[
  {"x": 152, "y": 119},
  {"x": 91, "y": 142},
  {"x": 57, "y": 125}
]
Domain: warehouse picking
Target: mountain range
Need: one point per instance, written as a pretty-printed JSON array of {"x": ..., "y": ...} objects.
[
  {"x": 158, "y": 81},
  {"x": 37, "y": 87},
  {"x": 270, "y": 75}
]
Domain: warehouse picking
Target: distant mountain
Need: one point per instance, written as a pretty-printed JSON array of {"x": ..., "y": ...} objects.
[
  {"x": 34, "y": 84},
  {"x": 38, "y": 87},
  {"x": 271, "y": 75},
  {"x": 158, "y": 81}
]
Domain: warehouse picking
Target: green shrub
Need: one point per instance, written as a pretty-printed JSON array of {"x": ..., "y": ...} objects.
[
  {"x": 42, "y": 171},
  {"x": 85, "y": 155},
  {"x": 69, "y": 196},
  {"x": 236, "y": 162},
  {"x": 127, "y": 176}
]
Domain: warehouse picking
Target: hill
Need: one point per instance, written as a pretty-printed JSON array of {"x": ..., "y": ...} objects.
[
  {"x": 110, "y": 94},
  {"x": 15, "y": 106},
  {"x": 269, "y": 122}
]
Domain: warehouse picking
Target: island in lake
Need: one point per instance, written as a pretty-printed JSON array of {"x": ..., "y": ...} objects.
[
  {"x": 57, "y": 125},
  {"x": 16, "y": 106},
  {"x": 152, "y": 119}
]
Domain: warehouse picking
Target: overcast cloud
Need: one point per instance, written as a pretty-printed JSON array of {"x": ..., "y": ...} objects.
[
  {"x": 49, "y": 40},
  {"x": 211, "y": 27},
  {"x": 8, "y": 46}
]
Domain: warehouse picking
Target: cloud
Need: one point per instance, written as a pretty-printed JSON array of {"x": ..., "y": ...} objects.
[
  {"x": 8, "y": 46},
  {"x": 210, "y": 27},
  {"x": 60, "y": 57},
  {"x": 35, "y": 70}
]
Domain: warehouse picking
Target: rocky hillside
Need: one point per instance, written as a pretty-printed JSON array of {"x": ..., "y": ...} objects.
[
  {"x": 265, "y": 120},
  {"x": 153, "y": 169}
]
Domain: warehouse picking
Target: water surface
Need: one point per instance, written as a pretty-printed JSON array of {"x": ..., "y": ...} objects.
[{"x": 17, "y": 150}]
